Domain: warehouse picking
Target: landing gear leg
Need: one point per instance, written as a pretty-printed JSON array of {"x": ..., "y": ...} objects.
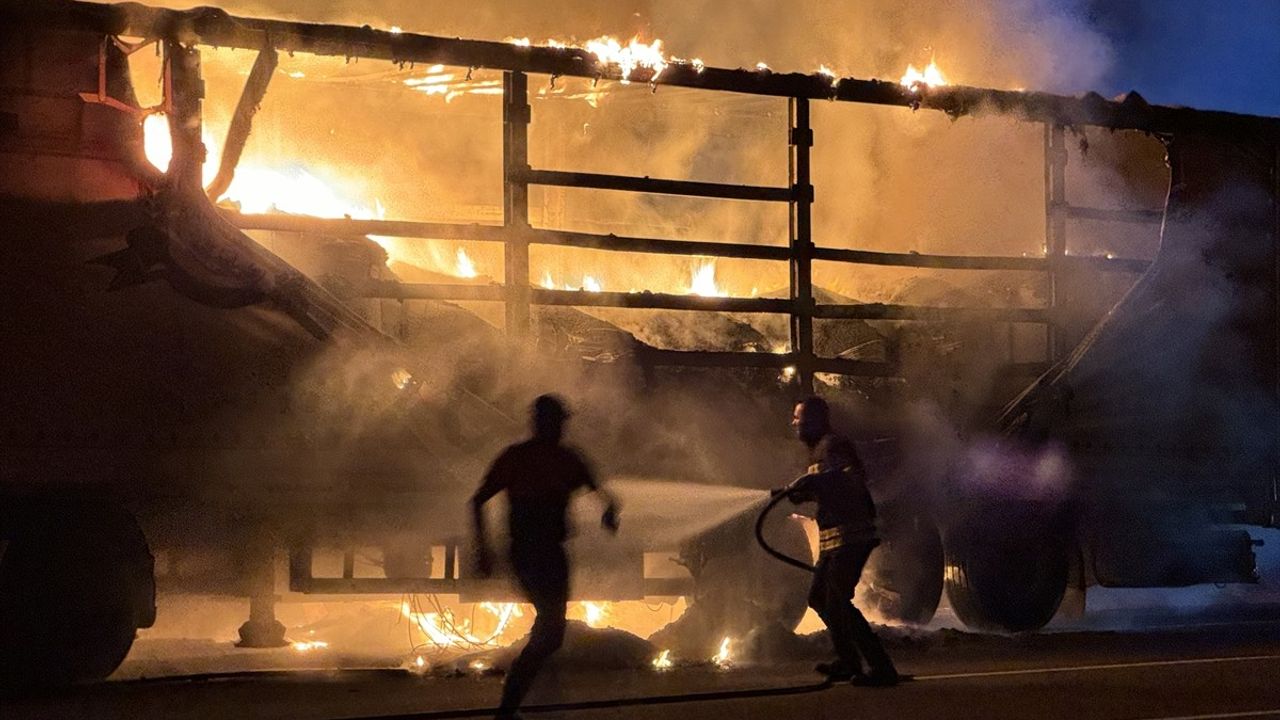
[{"x": 262, "y": 630}]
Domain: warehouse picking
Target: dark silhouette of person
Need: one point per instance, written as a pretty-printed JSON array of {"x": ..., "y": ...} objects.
[
  {"x": 539, "y": 475},
  {"x": 846, "y": 517}
]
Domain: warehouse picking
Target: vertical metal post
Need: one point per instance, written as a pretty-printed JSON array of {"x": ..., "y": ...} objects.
[
  {"x": 1055, "y": 215},
  {"x": 515, "y": 200},
  {"x": 801, "y": 222},
  {"x": 451, "y": 561},
  {"x": 1273, "y": 513},
  {"x": 185, "y": 98}
]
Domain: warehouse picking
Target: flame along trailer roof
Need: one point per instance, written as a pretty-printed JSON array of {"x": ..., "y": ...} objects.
[{"x": 212, "y": 26}]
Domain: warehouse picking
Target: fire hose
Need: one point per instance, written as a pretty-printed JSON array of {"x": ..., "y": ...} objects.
[{"x": 764, "y": 515}]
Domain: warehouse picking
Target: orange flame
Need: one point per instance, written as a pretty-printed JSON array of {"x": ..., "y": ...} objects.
[
  {"x": 931, "y": 76},
  {"x": 596, "y": 614},
  {"x": 635, "y": 54},
  {"x": 703, "y": 281},
  {"x": 724, "y": 658},
  {"x": 663, "y": 661}
]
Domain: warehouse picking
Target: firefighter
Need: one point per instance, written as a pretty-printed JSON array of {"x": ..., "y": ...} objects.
[
  {"x": 846, "y": 515},
  {"x": 539, "y": 476}
]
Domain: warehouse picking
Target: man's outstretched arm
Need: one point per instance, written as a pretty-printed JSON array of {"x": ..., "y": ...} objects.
[
  {"x": 799, "y": 490},
  {"x": 610, "y": 518},
  {"x": 491, "y": 486}
]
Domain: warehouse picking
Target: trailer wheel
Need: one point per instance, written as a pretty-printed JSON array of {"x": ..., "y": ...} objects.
[
  {"x": 1012, "y": 583},
  {"x": 904, "y": 574},
  {"x": 68, "y": 612}
]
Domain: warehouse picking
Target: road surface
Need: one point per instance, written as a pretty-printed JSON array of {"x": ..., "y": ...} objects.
[{"x": 1176, "y": 669}]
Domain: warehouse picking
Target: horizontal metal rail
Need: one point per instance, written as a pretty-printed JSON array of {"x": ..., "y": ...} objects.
[
  {"x": 779, "y": 361},
  {"x": 617, "y": 243},
  {"x": 883, "y": 311},
  {"x": 715, "y": 358},
  {"x": 347, "y": 227},
  {"x": 763, "y": 360},
  {"x": 666, "y": 301},
  {"x": 597, "y": 181},
  {"x": 652, "y": 587},
  {"x": 394, "y": 290},
  {"x": 942, "y": 262},
  {"x": 659, "y": 301},
  {"x": 1103, "y": 263},
  {"x": 1140, "y": 217}
]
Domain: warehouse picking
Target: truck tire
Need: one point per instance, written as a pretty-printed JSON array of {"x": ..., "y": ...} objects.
[
  {"x": 904, "y": 574},
  {"x": 69, "y": 608},
  {"x": 1005, "y": 580}
]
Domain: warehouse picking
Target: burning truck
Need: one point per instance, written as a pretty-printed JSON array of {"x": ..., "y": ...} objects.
[{"x": 211, "y": 362}]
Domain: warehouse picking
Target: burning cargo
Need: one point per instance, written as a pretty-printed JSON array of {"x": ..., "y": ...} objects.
[{"x": 222, "y": 346}]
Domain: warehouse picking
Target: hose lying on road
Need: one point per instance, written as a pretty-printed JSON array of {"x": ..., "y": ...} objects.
[{"x": 764, "y": 514}]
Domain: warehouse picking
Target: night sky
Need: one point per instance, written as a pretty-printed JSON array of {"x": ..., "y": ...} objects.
[{"x": 1213, "y": 54}]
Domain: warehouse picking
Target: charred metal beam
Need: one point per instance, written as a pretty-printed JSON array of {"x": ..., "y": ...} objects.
[
  {"x": 714, "y": 359},
  {"x": 654, "y": 587},
  {"x": 656, "y": 246},
  {"x": 366, "y": 586},
  {"x": 597, "y": 181},
  {"x": 346, "y": 227},
  {"x": 941, "y": 262},
  {"x": 659, "y": 301},
  {"x": 1055, "y": 236},
  {"x": 800, "y": 239},
  {"x": 1149, "y": 217},
  {"x": 966, "y": 262},
  {"x": 516, "y": 116},
  {"x": 392, "y": 290},
  {"x": 664, "y": 301},
  {"x": 882, "y": 311},
  {"x": 216, "y": 27},
  {"x": 855, "y": 368},
  {"x": 255, "y": 88},
  {"x": 1100, "y": 263}
]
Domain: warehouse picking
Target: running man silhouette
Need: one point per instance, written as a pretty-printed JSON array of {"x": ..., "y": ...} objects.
[{"x": 539, "y": 475}]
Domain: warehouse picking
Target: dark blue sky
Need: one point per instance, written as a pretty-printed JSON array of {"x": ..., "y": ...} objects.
[{"x": 1211, "y": 54}]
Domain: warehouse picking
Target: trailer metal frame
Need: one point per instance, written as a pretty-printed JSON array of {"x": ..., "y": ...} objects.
[{"x": 214, "y": 27}]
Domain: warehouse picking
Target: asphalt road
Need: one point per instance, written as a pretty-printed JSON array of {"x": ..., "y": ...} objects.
[{"x": 1203, "y": 669}]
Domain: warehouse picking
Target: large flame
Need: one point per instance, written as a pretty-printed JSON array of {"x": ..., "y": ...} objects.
[
  {"x": 931, "y": 76},
  {"x": 300, "y": 190},
  {"x": 703, "y": 281},
  {"x": 156, "y": 142},
  {"x": 635, "y": 54},
  {"x": 258, "y": 189}
]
